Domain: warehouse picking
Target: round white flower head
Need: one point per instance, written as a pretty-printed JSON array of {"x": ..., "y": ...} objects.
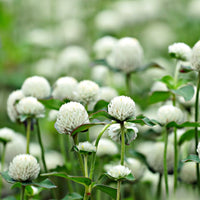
[
  {"x": 155, "y": 157},
  {"x": 180, "y": 51},
  {"x": 86, "y": 146},
  {"x": 126, "y": 55},
  {"x": 24, "y": 167},
  {"x": 64, "y": 88},
  {"x": 121, "y": 108},
  {"x": 53, "y": 115},
  {"x": 195, "y": 58},
  {"x": 30, "y": 106},
  {"x": 11, "y": 108},
  {"x": 107, "y": 93},
  {"x": 188, "y": 172},
  {"x": 119, "y": 171},
  {"x": 87, "y": 92},
  {"x": 70, "y": 116},
  {"x": 103, "y": 46},
  {"x": 36, "y": 86},
  {"x": 136, "y": 167},
  {"x": 7, "y": 134},
  {"x": 169, "y": 113},
  {"x": 106, "y": 147}
]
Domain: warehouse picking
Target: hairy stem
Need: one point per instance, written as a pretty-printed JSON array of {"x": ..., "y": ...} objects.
[
  {"x": 165, "y": 163},
  {"x": 175, "y": 159},
  {"x": 118, "y": 190},
  {"x": 122, "y": 143}
]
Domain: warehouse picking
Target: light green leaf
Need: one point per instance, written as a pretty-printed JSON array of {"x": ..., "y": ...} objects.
[
  {"x": 159, "y": 96},
  {"x": 73, "y": 196},
  {"x": 106, "y": 189},
  {"x": 101, "y": 115},
  {"x": 52, "y": 103},
  {"x": 47, "y": 184},
  {"x": 169, "y": 81},
  {"x": 192, "y": 158},
  {"x": 101, "y": 105},
  {"x": 130, "y": 177}
]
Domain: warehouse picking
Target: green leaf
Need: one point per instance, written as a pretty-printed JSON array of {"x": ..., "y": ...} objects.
[
  {"x": 52, "y": 103},
  {"x": 84, "y": 127},
  {"x": 4, "y": 140},
  {"x": 130, "y": 177},
  {"x": 185, "y": 124},
  {"x": 159, "y": 96},
  {"x": 47, "y": 184},
  {"x": 23, "y": 118},
  {"x": 78, "y": 179},
  {"x": 106, "y": 189},
  {"x": 130, "y": 135},
  {"x": 142, "y": 120},
  {"x": 29, "y": 191},
  {"x": 101, "y": 105},
  {"x": 73, "y": 196},
  {"x": 181, "y": 82},
  {"x": 16, "y": 185},
  {"x": 168, "y": 80},
  {"x": 185, "y": 69},
  {"x": 9, "y": 198},
  {"x": 187, "y": 136},
  {"x": 192, "y": 158},
  {"x": 187, "y": 92},
  {"x": 101, "y": 115}
]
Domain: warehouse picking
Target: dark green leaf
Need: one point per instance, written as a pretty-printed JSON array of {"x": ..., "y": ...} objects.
[
  {"x": 130, "y": 135},
  {"x": 187, "y": 92},
  {"x": 16, "y": 185},
  {"x": 185, "y": 124},
  {"x": 187, "y": 136},
  {"x": 29, "y": 190},
  {"x": 4, "y": 140},
  {"x": 101, "y": 115},
  {"x": 106, "y": 189},
  {"x": 168, "y": 80},
  {"x": 52, "y": 103},
  {"x": 47, "y": 184},
  {"x": 192, "y": 158},
  {"x": 73, "y": 196},
  {"x": 78, "y": 179},
  {"x": 159, "y": 96},
  {"x": 142, "y": 120},
  {"x": 101, "y": 105}
]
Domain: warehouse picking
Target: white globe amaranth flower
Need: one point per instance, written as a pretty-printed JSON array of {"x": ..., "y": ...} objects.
[
  {"x": 114, "y": 131},
  {"x": 103, "y": 46},
  {"x": 86, "y": 146},
  {"x": 119, "y": 171},
  {"x": 107, "y": 93},
  {"x": 121, "y": 108},
  {"x": 136, "y": 167},
  {"x": 24, "y": 167},
  {"x": 7, "y": 134},
  {"x": 70, "y": 116},
  {"x": 11, "y": 107},
  {"x": 169, "y": 113},
  {"x": 195, "y": 58},
  {"x": 64, "y": 88},
  {"x": 180, "y": 51},
  {"x": 36, "y": 86},
  {"x": 106, "y": 147},
  {"x": 126, "y": 55},
  {"x": 86, "y": 92},
  {"x": 53, "y": 115},
  {"x": 155, "y": 157},
  {"x": 30, "y": 106},
  {"x": 188, "y": 173}
]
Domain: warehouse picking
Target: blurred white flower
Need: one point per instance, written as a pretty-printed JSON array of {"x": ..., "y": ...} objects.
[
  {"x": 158, "y": 86},
  {"x": 106, "y": 147},
  {"x": 136, "y": 167},
  {"x": 70, "y": 116},
  {"x": 86, "y": 146},
  {"x": 198, "y": 149},
  {"x": 195, "y": 58},
  {"x": 155, "y": 157},
  {"x": 103, "y": 46},
  {"x": 180, "y": 51},
  {"x": 53, "y": 115},
  {"x": 7, "y": 134},
  {"x": 194, "y": 9},
  {"x": 36, "y": 86},
  {"x": 11, "y": 107},
  {"x": 24, "y": 167},
  {"x": 86, "y": 92},
  {"x": 35, "y": 150},
  {"x": 121, "y": 108},
  {"x": 119, "y": 171},
  {"x": 169, "y": 113},
  {"x": 30, "y": 106},
  {"x": 107, "y": 93},
  {"x": 64, "y": 88},
  {"x": 188, "y": 173}
]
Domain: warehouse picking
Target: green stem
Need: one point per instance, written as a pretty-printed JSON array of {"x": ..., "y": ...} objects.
[
  {"x": 176, "y": 73},
  {"x": 41, "y": 145},
  {"x": 2, "y": 164},
  {"x": 87, "y": 189},
  {"x": 75, "y": 138},
  {"x": 85, "y": 166},
  {"x": 128, "y": 84},
  {"x": 22, "y": 192},
  {"x": 118, "y": 190},
  {"x": 28, "y": 132},
  {"x": 122, "y": 143},
  {"x": 159, "y": 186},
  {"x": 62, "y": 147},
  {"x": 175, "y": 159},
  {"x": 165, "y": 163},
  {"x": 196, "y": 128}
]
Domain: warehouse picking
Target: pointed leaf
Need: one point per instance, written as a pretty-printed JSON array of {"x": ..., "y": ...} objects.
[
  {"x": 78, "y": 179},
  {"x": 192, "y": 158},
  {"x": 101, "y": 105},
  {"x": 168, "y": 80},
  {"x": 187, "y": 92},
  {"x": 73, "y": 196},
  {"x": 52, "y": 103},
  {"x": 106, "y": 189},
  {"x": 159, "y": 96},
  {"x": 185, "y": 124},
  {"x": 130, "y": 177},
  {"x": 29, "y": 190},
  {"x": 47, "y": 184},
  {"x": 143, "y": 120},
  {"x": 187, "y": 136},
  {"x": 101, "y": 115}
]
